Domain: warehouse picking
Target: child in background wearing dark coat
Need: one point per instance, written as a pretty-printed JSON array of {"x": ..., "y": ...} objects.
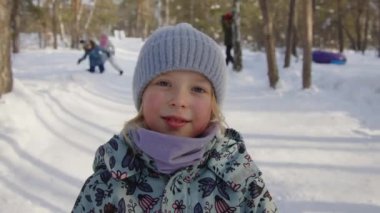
[
  {"x": 95, "y": 54},
  {"x": 176, "y": 155},
  {"x": 227, "y": 20}
]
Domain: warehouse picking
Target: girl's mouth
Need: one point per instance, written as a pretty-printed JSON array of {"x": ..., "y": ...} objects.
[{"x": 175, "y": 122}]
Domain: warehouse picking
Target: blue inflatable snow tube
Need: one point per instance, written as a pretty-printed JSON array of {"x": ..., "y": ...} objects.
[{"x": 325, "y": 57}]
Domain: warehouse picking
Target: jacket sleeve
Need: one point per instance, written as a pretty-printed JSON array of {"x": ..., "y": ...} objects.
[
  {"x": 111, "y": 48},
  {"x": 256, "y": 197},
  {"x": 103, "y": 51},
  {"x": 83, "y": 57},
  {"x": 96, "y": 192},
  {"x": 84, "y": 203}
]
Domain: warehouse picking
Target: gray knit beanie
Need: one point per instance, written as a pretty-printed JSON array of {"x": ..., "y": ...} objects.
[{"x": 179, "y": 47}]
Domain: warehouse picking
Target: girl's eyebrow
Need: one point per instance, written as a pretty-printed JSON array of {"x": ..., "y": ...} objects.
[{"x": 201, "y": 80}]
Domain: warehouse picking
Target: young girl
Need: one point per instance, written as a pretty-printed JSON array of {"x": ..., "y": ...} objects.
[
  {"x": 106, "y": 44},
  {"x": 175, "y": 155}
]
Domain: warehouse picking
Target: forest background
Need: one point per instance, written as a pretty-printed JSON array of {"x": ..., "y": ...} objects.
[
  {"x": 325, "y": 139},
  {"x": 261, "y": 25}
]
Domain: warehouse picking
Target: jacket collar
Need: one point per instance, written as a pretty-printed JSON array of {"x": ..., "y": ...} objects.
[{"x": 225, "y": 156}]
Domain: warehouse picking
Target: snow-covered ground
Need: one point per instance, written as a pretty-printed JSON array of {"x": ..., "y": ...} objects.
[{"x": 319, "y": 149}]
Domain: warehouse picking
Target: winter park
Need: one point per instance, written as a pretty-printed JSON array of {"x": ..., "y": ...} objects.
[{"x": 318, "y": 148}]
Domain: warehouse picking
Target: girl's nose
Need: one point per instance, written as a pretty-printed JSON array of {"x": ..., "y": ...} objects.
[{"x": 179, "y": 98}]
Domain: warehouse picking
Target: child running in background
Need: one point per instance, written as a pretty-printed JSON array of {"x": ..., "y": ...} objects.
[
  {"x": 176, "y": 155},
  {"x": 227, "y": 20},
  {"x": 106, "y": 44},
  {"x": 95, "y": 55}
]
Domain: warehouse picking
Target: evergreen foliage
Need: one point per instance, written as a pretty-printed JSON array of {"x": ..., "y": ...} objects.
[{"x": 139, "y": 18}]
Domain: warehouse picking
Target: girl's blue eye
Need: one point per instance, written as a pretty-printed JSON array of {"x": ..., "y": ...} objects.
[
  {"x": 162, "y": 83},
  {"x": 199, "y": 90}
]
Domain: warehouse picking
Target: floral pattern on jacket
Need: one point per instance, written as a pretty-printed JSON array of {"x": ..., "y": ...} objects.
[{"x": 225, "y": 180}]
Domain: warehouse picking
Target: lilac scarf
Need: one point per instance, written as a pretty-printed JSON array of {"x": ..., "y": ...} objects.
[{"x": 170, "y": 152}]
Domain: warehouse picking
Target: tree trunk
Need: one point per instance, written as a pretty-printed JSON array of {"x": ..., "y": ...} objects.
[
  {"x": 378, "y": 28},
  {"x": 89, "y": 18},
  {"x": 289, "y": 33},
  {"x": 350, "y": 38},
  {"x": 54, "y": 23},
  {"x": 237, "y": 65},
  {"x": 269, "y": 44},
  {"x": 308, "y": 41},
  {"x": 146, "y": 18},
  {"x": 45, "y": 18},
  {"x": 139, "y": 18},
  {"x": 15, "y": 26},
  {"x": 358, "y": 28},
  {"x": 340, "y": 26},
  {"x": 295, "y": 42},
  {"x": 157, "y": 12},
  {"x": 366, "y": 29},
  {"x": 77, "y": 10},
  {"x": 192, "y": 18},
  {"x": 295, "y": 35},
  {"x": 6, "y": 81},
  {"x": 62, "y": 32},
  {"x": 167, "y": 12}
]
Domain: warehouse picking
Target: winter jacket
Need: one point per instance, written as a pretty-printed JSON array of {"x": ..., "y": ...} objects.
[
  {"x": 109, "y": 47},
  {"x": 106, "y": 44},
  {"x": 97, "y": 56},
  {"x": 227, "y": 29},
  {"x": 126, "y": 180}
]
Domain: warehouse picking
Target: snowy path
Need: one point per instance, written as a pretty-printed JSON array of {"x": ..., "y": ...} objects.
[{"x": 319, "y": 150}]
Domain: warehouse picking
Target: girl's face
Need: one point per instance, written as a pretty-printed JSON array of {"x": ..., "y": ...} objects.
[{"x": 178, "y": 103}]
